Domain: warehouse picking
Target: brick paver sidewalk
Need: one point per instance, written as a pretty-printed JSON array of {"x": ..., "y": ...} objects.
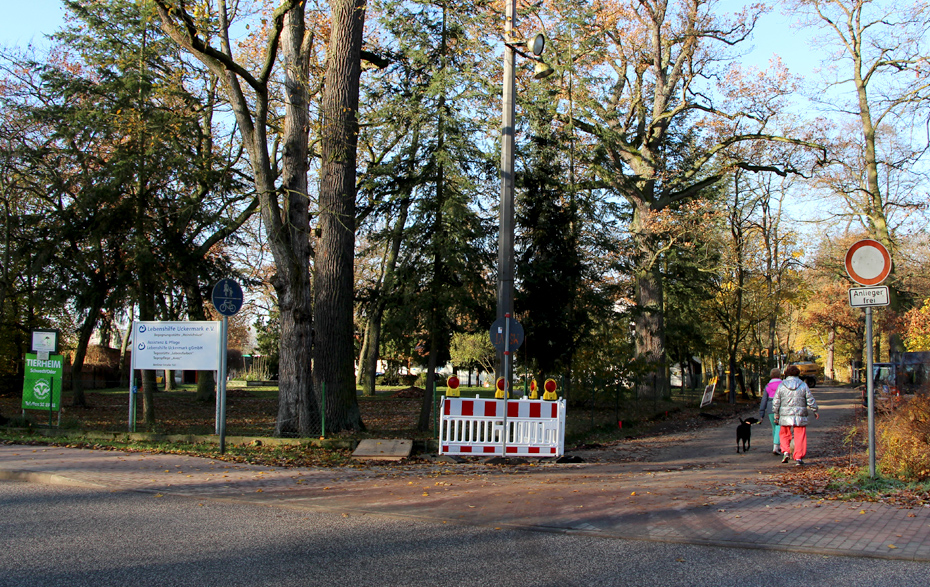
[{"x": 706, "y": 494}]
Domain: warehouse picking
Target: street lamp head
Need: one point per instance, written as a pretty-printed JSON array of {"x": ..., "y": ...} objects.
[
  {"x": 537, "y": 44},
  {"x": 542, "y": 70}
]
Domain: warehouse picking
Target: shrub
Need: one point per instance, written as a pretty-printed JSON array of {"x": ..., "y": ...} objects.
[
  {"x": 421, "y": 380},
  {"x": 904, "y": 441}
]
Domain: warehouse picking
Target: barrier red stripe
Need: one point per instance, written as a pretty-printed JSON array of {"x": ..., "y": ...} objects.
[
  {"x": 490, "y": 409},
  {"x": 468, "y": 408},
  {"x": 535, "y": 410},
  {"x": 513, "y": 410}
]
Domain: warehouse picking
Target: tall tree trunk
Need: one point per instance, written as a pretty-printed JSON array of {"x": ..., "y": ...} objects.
[
  {"x": 650, "y": 331},
  {"x": 124, "y": 367},
  {"x": 875, "y": 207},
  {"x": 297, "y": 410},
  {"x": 434, "y": 319},
  {"x": 368, "y": 363},
  {"x": 361, "y": 374},
  {"x": 77, "y": 365},
  {"x": 5, "y": 284},
  {"x": 206, "y": 384},
  {"x": 333, "y": 286},
  {"x": 149, "y": 384},
  {"x": 426, "y": 404},
  {"x": 648, "y": 314}
]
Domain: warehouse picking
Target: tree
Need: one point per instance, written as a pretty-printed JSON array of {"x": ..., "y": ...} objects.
[
  {"x": 333, "y": 277},
  {"x": 285, "y": 208},
  {"x": 663, "y": 138},
  {"x": 143, "y": 191},
  {"x": 549, "y": 262},
  {"x": 435, "y": 173},
  {"x": 32, "y": 291},
  {"x": 473, "y": 350},
  {"x": 877, "y": 47}
]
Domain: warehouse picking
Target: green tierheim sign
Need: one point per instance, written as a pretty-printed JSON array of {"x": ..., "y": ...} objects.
[{"x": 42, "y": 384}]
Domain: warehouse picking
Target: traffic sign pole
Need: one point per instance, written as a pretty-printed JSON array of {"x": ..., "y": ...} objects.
[
  {"x": 868, "y": 263},
  {"x": 132, "y": 380},
  {"x": 221, "y": 386},
  {"x": 227, "y": 299},
  {"x": 870, "y": 389},
  {"x": 506, "y": 379}
]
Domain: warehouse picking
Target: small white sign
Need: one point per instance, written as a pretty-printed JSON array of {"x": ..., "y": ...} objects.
[
  {"x": 862, "y": 297},
  {"x": 44, "y": 341},
  {"x": 709, "y": 393},
  {"x": 192, "y": 346}
]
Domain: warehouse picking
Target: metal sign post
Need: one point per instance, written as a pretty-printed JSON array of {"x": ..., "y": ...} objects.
[
  {"x": 227, "y": 298},
  {"x": 507, "y": 336},
  {"x": 870, "y": 389},
  {"x": 506, "y": 379},
  {"x": 221, "y": 385},
  {"x": 868, "y": 263},
  {"x": 132, "y": 379}
]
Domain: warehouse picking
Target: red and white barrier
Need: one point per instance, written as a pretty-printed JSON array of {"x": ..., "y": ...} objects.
[{"x": 535, "y": 428}]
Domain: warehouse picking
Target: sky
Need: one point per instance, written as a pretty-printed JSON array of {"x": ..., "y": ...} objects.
[{"x": 26, "y": 21}]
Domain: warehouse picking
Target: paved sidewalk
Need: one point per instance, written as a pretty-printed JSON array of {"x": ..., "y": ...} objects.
[{"x": 662, "y": 493}]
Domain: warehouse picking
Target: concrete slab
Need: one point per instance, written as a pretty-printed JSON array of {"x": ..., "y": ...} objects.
[{"x": 384, "y": 449}]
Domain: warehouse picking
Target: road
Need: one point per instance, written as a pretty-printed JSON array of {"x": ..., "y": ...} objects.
[
  {"x": 79, "y": 537},
  {"x": 681, "y": 509}
]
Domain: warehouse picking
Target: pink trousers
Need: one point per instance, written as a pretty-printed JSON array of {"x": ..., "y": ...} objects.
[{"x": 800, "y": 440}]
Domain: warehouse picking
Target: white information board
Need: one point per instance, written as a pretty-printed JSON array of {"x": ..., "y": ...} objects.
[
  {"x": 190, "y": 346},
  {"x": 860, "y": 297}
]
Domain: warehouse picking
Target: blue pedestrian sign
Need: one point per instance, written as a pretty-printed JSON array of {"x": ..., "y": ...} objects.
[{"x": 227, "y": 297}]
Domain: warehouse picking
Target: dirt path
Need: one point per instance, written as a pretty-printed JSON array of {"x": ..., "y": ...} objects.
[{"x": 716, "y": 444}]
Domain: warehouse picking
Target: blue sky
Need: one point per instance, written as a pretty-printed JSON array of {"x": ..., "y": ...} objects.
[{"x": 28, "y": 20}]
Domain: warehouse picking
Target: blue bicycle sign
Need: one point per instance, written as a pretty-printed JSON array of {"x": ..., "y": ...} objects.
[{"x": 227, "y": 297}]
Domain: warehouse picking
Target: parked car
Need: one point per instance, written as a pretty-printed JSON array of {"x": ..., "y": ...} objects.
[{"x": 810, "y": 372}]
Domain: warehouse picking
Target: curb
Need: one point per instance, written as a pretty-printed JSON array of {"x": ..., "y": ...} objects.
[
  {"x": 419, "y": 445},
  {"x": 46, "y": 479}
]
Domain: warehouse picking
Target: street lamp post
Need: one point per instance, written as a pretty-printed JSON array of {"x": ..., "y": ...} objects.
[
  {"x": 505, "y": 261},
  {"x": 505, "y": 239}
]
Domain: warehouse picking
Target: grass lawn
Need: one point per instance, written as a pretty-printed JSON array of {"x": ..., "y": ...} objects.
[{"x": 393, "y": 412}]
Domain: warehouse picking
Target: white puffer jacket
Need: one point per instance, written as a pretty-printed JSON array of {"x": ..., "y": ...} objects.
[{"x": 792, "y": 402}]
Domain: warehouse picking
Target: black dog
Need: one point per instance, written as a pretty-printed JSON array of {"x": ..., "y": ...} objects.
[{"x": 744, "y": 433}]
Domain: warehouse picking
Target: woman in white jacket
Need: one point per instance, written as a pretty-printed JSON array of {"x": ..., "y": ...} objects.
[{"x": 792, "y": 403}]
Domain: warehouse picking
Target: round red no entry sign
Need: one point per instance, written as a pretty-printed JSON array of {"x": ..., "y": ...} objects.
[{"x": 868, "y": 262}]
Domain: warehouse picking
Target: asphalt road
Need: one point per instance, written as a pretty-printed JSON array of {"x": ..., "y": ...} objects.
[{"x": 67, "y": 536}]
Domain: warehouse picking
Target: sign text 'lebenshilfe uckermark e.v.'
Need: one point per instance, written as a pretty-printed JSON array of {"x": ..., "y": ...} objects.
[{"x": 176, "y": 345}]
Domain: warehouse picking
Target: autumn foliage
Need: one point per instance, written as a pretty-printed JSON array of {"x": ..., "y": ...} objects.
[
  {"x": 917, "y": 328},
  {"x": 904, "y": 441}
]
